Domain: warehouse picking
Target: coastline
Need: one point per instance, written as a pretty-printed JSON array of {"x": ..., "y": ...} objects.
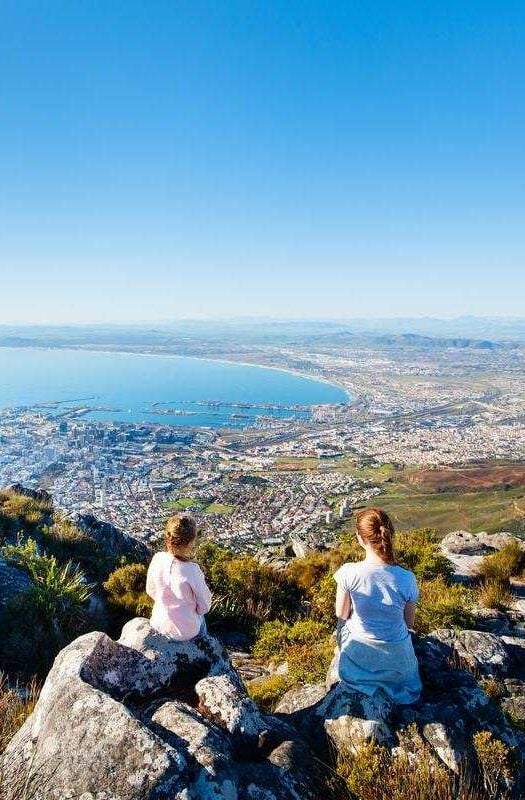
[{"x": 306, "y": 376}]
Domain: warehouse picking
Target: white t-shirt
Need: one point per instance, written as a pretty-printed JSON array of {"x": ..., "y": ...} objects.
[{"x": 379, "y": 593}]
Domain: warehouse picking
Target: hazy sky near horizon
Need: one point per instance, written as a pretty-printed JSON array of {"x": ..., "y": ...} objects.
[{"x": 299, "y": 159}]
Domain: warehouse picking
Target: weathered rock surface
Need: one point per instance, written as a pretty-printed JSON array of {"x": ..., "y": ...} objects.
[
  {"x": 13, "y": 581},
  {"x": 149, "y": 718},
  {"x": 111, "y": 540},
  {"x": 477, "y": 650}
]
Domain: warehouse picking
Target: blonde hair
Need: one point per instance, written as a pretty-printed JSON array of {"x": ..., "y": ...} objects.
[
  {"x": 181, "y": 529},
  {"x": 375, "y": 528}
]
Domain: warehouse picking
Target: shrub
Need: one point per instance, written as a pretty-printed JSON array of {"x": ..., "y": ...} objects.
[
  {"x": 265, "y": 592},
  {"x": 276, "y": 637},
  {"x": 373, "y": 773},
  {"x": 323, "y": 599},
  {"x": 494, "y": 759},
  {"x": 16, "y": 704},
  {"x": 306, "y": 646},
  {"x": 59, "y": 591},
  {"x": 213, "y": 560},
  {"x": 494, "y": 594},
  {"x": 268, "y": 691},
  {"x": 418, "y": 550},
  {"x": 503, "y": 565},
  {"x": 28, "y": 511},
  {"x": 126, "y": 590},
  {"x": 443, "y": 606}
]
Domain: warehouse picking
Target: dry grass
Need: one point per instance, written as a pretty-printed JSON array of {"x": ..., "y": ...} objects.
[
  {"x": 503, "y": 565},
  {"x": 494, "y": 594},
  {"x": 373, "y": 773},
  {"x": 16, "y": 704}
]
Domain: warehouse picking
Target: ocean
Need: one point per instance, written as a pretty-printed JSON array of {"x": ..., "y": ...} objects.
[{"x": 180, "y": 390}]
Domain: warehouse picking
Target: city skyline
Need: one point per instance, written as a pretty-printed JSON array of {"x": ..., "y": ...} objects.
[{"x": 291, "y": 160}]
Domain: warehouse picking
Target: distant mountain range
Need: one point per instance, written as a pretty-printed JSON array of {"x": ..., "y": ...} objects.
[{"x": 463, "y": 332}]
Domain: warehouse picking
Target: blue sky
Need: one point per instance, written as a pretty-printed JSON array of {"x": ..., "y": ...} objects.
[{"x": 165, "y": 159}]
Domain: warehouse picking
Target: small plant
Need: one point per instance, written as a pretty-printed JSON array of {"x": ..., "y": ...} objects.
[
  {"x": 494, "y": 759},
  {"x": 268, "y": 691},
  {"x": 443, "y": 606},
  {"x": 126, "y": 589},
  {"x": 494, "y": 594},
  {"x": 373, "y": 773},
  {"x": 59, "y": 590},
  {"x": 418, "y": 550},
  {"x": 16, "y": 704},
  {"x": 28, "y": 511},
  {"x": 503, "y": 565},
  {"x": 306, "y": 646},
  {"x": 276, "y": 637}
]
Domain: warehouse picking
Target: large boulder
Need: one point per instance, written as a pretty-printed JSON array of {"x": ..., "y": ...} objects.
[
  {"x": 81, "y": 741},
  {"x": 147, "y": 718}
]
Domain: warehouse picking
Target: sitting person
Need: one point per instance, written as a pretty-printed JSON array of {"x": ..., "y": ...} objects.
[
  {"x": 376, "y": 604},
  {"x": 177, "y": 584}
]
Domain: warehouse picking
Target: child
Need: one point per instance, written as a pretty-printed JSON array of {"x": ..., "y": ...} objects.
[
  {"x": 177, "y": 585},
  {"x": 377, "y": 600}
]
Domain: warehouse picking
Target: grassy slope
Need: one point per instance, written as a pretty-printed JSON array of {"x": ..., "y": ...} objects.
[{"x": 412, "y": 506}]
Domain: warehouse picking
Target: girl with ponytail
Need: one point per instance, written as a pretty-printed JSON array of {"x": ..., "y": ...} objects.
[{"x": 376, "y": 603}]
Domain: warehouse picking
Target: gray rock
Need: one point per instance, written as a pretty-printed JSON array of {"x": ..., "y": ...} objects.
[
  {"x": 223, "y": 699},
  {"x": 491, "y": 620},
  {"x": 514, "y": 708},
  {"x": 350, "y": 718},
  {"x": 301, "y": 698},
  {"x": 164, "y": 660},
  {"x": 13, "y": 582},
  {"x": 100, "y": 730},
  {"x": 464, "y": 543},
  {"x": 478, "y": 651},
  {"x": 81, "y": 740},
  {"x": 111, "y": 540}
]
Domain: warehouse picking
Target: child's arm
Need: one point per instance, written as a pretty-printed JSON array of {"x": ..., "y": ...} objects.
[
  {"x": 150, "y": 583},
  {"x": 201, "y": 592},
  {"x": 410, "y": 613},
  {"x": 343, "y": 603}
]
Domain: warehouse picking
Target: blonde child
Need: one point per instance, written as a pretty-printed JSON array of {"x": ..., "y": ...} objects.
[{"x": 177, "y": 584}]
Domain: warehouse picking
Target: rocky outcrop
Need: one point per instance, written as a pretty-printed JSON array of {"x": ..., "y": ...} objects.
[
  {"x": 13, "y": 581},
  {"x": 146, "y": 717},
  {"x": 35, "y": 494},
  {"x": 466, "y": 550},
  {"x": 109, "y": 538}
]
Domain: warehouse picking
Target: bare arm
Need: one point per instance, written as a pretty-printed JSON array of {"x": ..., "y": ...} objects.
[
  {"x": 343, "y": 604},
  {"x": 410, "y": 613},
  {"x": 202, "y": 594},
  {"x": 150, "y": 584}
]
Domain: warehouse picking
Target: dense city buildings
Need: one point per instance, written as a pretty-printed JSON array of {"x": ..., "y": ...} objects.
[{"x": 408, "y": 405}]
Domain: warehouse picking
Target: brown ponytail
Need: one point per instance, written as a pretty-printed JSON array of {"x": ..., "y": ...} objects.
[{"x": 375, "y": 528}]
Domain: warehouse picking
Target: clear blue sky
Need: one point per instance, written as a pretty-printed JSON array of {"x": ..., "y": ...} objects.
[{"x": 173, "y": 158}]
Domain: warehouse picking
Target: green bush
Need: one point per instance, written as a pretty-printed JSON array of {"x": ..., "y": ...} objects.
[
  {"x": 261, "y": 591},
  {"x": 322, "y": 599},
  {"x": 307, "y": 647},
  {"x": 276, "y": 637},
  {"x": 27, "y": 511},
  {"x": 443, "y": 605},
  {"x": 59, "y": 591},
  {"x": 503, "y": 565},
  {"x": 126, "y": 590},
  {"x": 268, "y": 691},
  {"x": 418, "y": 550}
]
